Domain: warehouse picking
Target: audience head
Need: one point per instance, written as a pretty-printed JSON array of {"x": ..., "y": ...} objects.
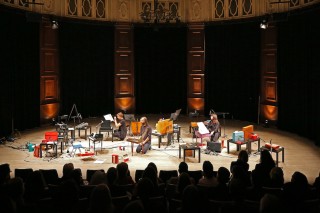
[
  {"x": 243, "y": 156},
  {"x": 122, "y": 170},
  {"x": 4, "y": 173},
  {"x": 151, "y": 174},
  {"x": 277, "y": 176},
  {"x": 183, "y": 167},
  {"x": 154, "y": 166},
  {"x": 207, "y": 169},
  {"x": 99, "y": 177},
  {"x": 111, "y": 175},
  {"x": 67, "y": 170},
  {"x": 223, "y": 175},
  {"x": 100, "y": 200},
  {"x": 299, "y": 179}
]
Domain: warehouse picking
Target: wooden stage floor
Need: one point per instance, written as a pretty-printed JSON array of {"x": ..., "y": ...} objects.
[{"x": 301, "y": 154}]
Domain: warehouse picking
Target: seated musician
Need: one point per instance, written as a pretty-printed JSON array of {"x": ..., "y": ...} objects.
[
  {"x": 214, "y": 127},
  {"x": 120, "y": 123},
  {"x": 145, "y": 132}
]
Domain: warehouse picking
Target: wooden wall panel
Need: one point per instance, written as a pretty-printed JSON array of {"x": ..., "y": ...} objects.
[
  {"x": 196, "y": 64},
  {"x": 196, "y": 85},
  {"x": 124, "y": 95},
  {"x": 49, "y": 72},
  {"x": 268, "y": 69},
  {"x": 49, "y": 89},
  {"x": 49, "y": 59}
]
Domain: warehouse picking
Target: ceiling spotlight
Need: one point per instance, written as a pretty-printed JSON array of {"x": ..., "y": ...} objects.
[
  {"x": 264, "y": 24},
  {"x": 55, "y": 25}
]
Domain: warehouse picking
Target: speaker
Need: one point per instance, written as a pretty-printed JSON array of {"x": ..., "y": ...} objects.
[{"x": 214, "y": 146}]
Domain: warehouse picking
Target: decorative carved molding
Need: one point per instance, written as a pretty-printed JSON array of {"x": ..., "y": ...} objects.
[
  {"x": 196, "y": 10},
  {"x": 188, "y": 10},
  {"x": 124, "y": 10}
]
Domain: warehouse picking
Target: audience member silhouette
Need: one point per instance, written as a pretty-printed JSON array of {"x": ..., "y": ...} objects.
[
  {"x": 270, "y": 203},
  {"x": 123, "y": 177},
  {"x": 141, "y": 200},
  {"x": 68, "y": 196},
  {"x": 100, "y": 200},
  {"x": 99, "y": 177},
  {"x": 152, "y": 164},
  {"x": 183, "y": 182},
  {"x": 242, "y": 161},
  {"x": 15, "y": 190},
  {"x": 265, "y": 166},
  {"x": 238, "y": 183},
  {"x": 191, "y": 200},
  {"x": 35, "y": 187},
  {"x": 183, "y": 167},
  {"x": 150, "y": 173},
  {"x": 208, "y": 178},
  {"x": 276, "y": 178},
  {"x": 221, "y": 191},
  {"x": 255, "y": 191},
  {"x": 4, "y": 173},
  {"x": 111, "y": 176},
  {"x": 67, "y": 171}
]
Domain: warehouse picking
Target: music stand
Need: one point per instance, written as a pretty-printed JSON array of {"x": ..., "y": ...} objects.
[
  {"x": 129, "y": 117},
  {"x": 224, "y": 122}
]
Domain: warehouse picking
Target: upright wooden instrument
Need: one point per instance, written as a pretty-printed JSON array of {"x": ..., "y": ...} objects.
[
  {"x": 135, "y": 127},
  {"x": 164, "y": 126}
]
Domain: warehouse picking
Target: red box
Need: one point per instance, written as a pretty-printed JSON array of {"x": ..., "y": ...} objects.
[
  {"x": 50, "y": 136},
  {"x": 254, "y": 136},
  {"x": 115, "y": 158},
  {"x": 37, "y": 151}
]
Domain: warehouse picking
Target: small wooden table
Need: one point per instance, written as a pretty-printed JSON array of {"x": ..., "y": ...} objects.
[
  {"x": 185, "y": 148},
  {"x": 239, "y": 143},
  {"x": 53, "y": 144},
  {"x": 160, "y": 137}
]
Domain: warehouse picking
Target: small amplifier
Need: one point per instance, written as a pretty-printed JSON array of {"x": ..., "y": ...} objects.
[{"x": 214, "y": 146}]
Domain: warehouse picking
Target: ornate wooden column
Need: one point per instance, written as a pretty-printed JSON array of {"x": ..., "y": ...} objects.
[
  {"x": 269, "y": 97},
  {"x": 196, "y": 65},
  {"x": 124, "y": 96},
  {"x": 49, "y": 72}
]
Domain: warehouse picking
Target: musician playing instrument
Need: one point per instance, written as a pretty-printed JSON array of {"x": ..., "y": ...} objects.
[
  {"x": 145, "y": 132},
  {"x": 214, "y": 127},
  {"x": 120, "y": 123}
]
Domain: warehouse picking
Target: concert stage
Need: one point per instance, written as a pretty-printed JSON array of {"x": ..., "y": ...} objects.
[{"x": 300, "y": 153}]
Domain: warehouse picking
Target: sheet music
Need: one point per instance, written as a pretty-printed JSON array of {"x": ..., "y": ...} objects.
[
  {"x": 202, "y": 128},
  {"x": 108, "y": 117}
]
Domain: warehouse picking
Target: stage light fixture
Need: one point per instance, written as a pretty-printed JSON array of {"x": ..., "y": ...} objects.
[
  {"x": 55, "y": 25},
  {"x": 264, "y": 24}
]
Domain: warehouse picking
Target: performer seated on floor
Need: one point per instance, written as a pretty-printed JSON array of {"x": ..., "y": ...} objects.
[
  {"x": 145, "y": 132},
  {"x": 214, "y": 127},
  {"x": 120, "y": 123}
]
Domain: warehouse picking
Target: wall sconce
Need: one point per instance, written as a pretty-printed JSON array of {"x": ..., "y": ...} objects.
[
  {"x": 264, "y": 23},
  {"x": 55, "y": 25}
]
